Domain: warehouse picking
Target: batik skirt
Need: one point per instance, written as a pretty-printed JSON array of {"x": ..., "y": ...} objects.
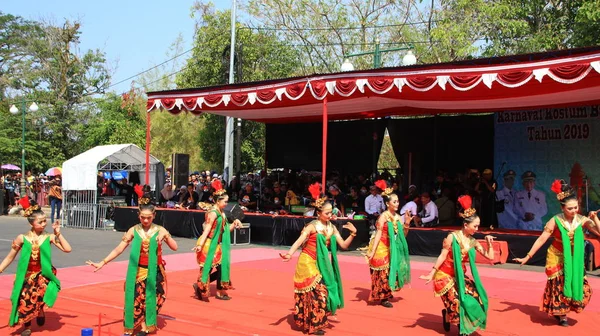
[
  {"x": 555, "y": 303},
  {"x": 452, "y": 304},
  {"x": 139, "y": 301},
  {"x": 31, "y": 300},
  {"x": 311, "y": 309},
  {"x": 380, "y": 285}
]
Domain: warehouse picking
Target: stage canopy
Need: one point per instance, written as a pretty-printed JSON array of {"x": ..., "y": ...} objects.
[
  {"x": 81, "y": 171},
  {"x": 563, "y": 78}
]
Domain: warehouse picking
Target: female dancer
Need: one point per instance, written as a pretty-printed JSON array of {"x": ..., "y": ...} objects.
[
  {"x": 317, "y": 282},
  {"x": 213, "y": 248},
  {"x": 465, "y": 299},
  {"x": 146, "y": 281},
  {"x": 36, "y": 284},
  {"x": 388, "y": 252},
  {"x": 567, "y": 289}
]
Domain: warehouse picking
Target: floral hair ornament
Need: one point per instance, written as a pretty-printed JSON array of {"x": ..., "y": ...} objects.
[
  {"x": 218, "y": 186},
  {"x": 139, "y": 190},
  {"x": 28, "y": 209},
  {"x": 385, "y": 191},
  {"x": 466, "y": 202},
  {"x": 557, "y": 187},
  {"x": 315, "y": 193}
]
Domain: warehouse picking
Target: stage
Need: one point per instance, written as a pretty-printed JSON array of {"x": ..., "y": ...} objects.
[{"x": 284, "y": 230}]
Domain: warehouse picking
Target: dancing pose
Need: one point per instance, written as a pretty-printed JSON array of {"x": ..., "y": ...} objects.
[
  {"x": 213, "y": 248},
  {"x": 35, "y": 284},
  {"x": 317, "y": 282},
  {"x": 146, "y": 281},
  {"x": 388, "y": 252},
  {"x": 465, "y": 299},
  {"x": 567, "y": 289}
]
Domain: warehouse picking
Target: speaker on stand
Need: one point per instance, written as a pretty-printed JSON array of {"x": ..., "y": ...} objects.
[{"x": 181, "y": 170}]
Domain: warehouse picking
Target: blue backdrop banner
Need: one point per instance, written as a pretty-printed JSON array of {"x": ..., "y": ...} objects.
[{"x": 540, "y": 146}]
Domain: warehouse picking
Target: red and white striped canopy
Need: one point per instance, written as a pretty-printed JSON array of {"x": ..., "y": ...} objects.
[{"x": 570, "y": 78}]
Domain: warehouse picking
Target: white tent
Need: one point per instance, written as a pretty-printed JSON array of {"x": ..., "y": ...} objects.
[{"x": 81, "y": 171}]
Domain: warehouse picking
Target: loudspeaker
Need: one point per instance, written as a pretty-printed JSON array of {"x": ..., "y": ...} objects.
[
  {"x": 181, "y": 170},
  {"x": 233, "y": 212}
]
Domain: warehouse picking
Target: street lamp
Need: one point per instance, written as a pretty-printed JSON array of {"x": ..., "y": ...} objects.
[
  {"x": 14, "y": 110},
  {"x": 408, "y": 59},
  {"x": 347, "y": 66}
]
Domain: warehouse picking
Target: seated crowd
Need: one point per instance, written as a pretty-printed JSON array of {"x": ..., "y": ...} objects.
[{"x": 351, "y": 195}]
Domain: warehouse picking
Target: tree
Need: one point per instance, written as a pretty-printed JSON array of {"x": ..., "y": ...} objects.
[
  {"x": 117, "y": 120},
  {"x": 41, "y": 62},
  {"x": 173, "y": 133},
  {"x": 324, "y": 31},
  {"x": 72, "y": 79},
  {"x": 259, "y": 56}
]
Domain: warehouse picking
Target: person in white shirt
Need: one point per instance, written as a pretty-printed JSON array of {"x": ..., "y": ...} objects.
[
  {"x": 428, "y": 217},
  {"x": 507, "y": 218},
  {"x": 374, "y": 206},
  {"x": 411, "y": 206},
  {"x": 530, "y": 205}
]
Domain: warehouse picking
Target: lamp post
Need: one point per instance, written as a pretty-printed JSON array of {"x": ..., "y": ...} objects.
[
  {"x": 14, "y": 110},
  {"x": 408, "y": 59}
]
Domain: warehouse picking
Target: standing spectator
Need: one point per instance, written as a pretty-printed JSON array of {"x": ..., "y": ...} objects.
[
  {"x": 55, "y": 196},
  {"x": 446, "y": 209},
  {"x": 373, "y": 207},
  {"x": 530, "y": 204},
  {"x": 507, "y": 218}
]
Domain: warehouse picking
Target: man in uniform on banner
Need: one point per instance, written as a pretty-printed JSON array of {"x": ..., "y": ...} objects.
[
  {"x": 530, "y": 205},
  {"x": 507, "y": 219}
]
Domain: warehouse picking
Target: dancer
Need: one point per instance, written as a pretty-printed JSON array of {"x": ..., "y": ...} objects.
[
  {"x": 213, "y": 248},
  {"x": 465, "y": 299},
  {"x": 567, "y": 288},
  {"x": 388, "y": 252},
  {"x": 317, "y": 282},
  {"x": 35, "y": 284},
  {"x": 146, "y": 281}
]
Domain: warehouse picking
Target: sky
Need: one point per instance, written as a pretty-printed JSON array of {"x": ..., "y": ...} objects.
[{"x": 134, "y": 34}]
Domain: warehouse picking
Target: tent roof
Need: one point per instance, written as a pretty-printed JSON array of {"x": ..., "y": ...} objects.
[
  {"x": 564, "y": 78},
  {"x": 79, "y": 172}
]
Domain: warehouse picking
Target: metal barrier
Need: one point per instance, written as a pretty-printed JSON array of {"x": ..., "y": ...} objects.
[{"x": 81, "y": 210}]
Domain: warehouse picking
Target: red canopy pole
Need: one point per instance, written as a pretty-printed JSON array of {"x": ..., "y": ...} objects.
[
  {"x": 147, "y": 180},
  {"x": 324, "y": 169}
]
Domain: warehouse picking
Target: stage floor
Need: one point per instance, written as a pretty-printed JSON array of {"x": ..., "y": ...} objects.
[{"x": 263, "y": 301}]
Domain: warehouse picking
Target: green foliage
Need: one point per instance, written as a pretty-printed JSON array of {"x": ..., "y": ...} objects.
[
  {"x": 41, "y": 62},
  {"x": 387, "y": 157},
  {"x": 39, "y": 154},
  {"x": 259, "y": 56},
  {"x": 117, "y": 120},
  {"x": 323, "y": 32}
]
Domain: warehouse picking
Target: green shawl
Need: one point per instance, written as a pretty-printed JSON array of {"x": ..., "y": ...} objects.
[
  {"x": 225, "y": 251},
  {"x": 473, "y": 315},
  {"x": 399, "y": 259},
  {"x": 573, "y": 268},
  {"x": 46, "y": 262},
  {"x": 330, "y": 271},
  {"x": 132, "y": 269}
]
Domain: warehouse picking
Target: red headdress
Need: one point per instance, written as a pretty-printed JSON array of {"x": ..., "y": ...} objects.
[
  {"x": 315, "y": 192},
  {"x": 385, "y": 191},
  {"x": 218, "y": 187},
  {"x": 138, "y": 190},
  {"x": 557, "y": 188},
  {"x": 466, "y": 202},
  {"x": 143, "y": 199},
  {"x": 24, "y": 201},
  {"x": 28, "y": 209}
]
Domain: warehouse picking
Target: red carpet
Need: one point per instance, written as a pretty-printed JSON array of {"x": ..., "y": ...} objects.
[{"x": 263, "y": 300}]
